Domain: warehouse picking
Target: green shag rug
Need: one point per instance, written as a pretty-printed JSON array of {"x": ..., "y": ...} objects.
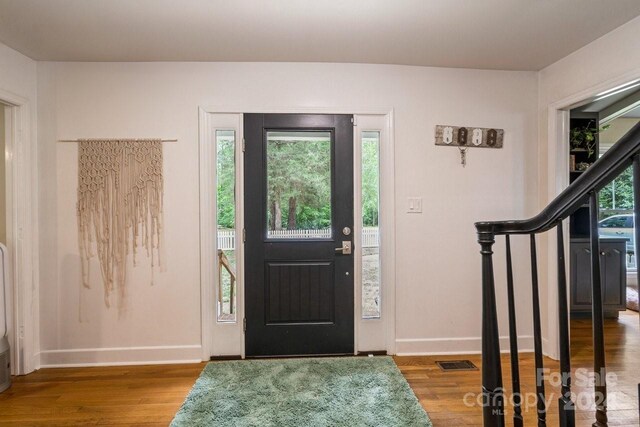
[{"x": 312, "y": 392}]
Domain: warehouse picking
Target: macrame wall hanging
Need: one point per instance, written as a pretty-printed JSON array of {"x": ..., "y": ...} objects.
[{"x": 120, "y": 189}]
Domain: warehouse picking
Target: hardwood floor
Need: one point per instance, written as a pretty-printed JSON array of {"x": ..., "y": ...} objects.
[
  {"x": 130, "y": 395},
  {"x": 150, "y": 395},
  {"x": 442, "y": 394}
]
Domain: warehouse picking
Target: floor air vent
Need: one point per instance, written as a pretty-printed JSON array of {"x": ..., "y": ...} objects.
[{"x": 456, "y": 365}]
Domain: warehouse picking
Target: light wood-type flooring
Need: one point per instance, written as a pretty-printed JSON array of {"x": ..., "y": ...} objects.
[{"x": 151, "y": 395}]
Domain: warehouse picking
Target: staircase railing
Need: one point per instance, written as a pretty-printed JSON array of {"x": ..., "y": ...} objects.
[
  {"x": 223, "y": 262},
  {"x": 623, "y": 154}
]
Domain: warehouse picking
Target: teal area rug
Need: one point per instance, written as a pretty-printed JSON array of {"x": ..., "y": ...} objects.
[{"x": 310, "y": 392}]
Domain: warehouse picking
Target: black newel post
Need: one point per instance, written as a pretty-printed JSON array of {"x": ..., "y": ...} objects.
[{"x": 492, "y": 391}]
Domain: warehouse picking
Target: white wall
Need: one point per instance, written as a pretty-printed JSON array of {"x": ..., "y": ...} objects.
[
  {"x": 438, "y": 261},
  {"x": 602, "y": 64},
  {"x": 438, "y": 279},
  {"x": 3, "y": 180},
  {"x": 607, "y": 59}
]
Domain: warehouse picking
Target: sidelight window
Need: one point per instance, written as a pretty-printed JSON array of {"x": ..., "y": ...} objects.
[
  {"x": 226, "y": 293},
  {"x": 370, "y": 185}
]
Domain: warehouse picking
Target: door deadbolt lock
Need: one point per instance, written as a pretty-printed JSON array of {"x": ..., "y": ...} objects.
[
  {"x": 346, "y": 231},
  {"x": 345, "y": 249}
]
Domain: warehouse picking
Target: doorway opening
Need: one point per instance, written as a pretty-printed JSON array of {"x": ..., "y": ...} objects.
[
  {"x": 299, "y": 269},
  {"x": 6, "y": 302},
  {"x": 303, "y": 182},
  {"x": 577, "y": 126},
  {"x": 5, "y": 116},
  {"x": 13, "y": 296},
  {"x": 594, "y": 128}
]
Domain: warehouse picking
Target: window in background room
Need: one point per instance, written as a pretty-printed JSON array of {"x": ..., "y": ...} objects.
[{"x": 616, "y": 199}]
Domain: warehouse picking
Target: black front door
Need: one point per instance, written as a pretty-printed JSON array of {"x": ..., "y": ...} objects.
[{"x": 298, "y": 213}]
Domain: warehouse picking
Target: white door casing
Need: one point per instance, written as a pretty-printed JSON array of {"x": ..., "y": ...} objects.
[
  {"x": 22, "y": 234},
  {"x": 227, "y": 339}
]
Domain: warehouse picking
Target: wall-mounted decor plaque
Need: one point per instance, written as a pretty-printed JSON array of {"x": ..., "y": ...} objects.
[
  {"x": 461, "y": 136},
  {"x": 465, "y": 137}
]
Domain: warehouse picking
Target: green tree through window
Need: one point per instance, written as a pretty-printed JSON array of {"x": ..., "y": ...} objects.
[
  {"x": 618, "y": 194},
  {"x": 226, "y": 182},
  {"x": 298, "y": 180},
  {"x": 299, "y": 183}
]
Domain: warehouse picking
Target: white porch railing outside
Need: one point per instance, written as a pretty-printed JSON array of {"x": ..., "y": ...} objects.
[
  {"x": 299, "y": 234},
  {"x": 226, "y": 240},
  {"x": 370, "y": 236}
]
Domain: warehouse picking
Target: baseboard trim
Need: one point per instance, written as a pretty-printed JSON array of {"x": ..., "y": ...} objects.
[
  {"x": 372, "y": 353},
  {"x": 120, "y": 356},
  {"x": 453, "y": 346},
  {"x": 223, "y": 358}
]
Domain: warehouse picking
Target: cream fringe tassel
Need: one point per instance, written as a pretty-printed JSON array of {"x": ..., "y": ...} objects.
[{"x": 120, "y": 190}]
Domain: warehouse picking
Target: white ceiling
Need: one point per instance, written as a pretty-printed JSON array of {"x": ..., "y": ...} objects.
[
  {"x": 602, "y": 102},
  {"x": 615, "y": 103},
  {"x": 633, "y": 114},
  {"x": 491, "y": 34}
]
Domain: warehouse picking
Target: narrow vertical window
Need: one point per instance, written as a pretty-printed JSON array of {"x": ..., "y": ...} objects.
[
  {"x": 371, "y": 295},
  {"x": 226, "y": 292}
]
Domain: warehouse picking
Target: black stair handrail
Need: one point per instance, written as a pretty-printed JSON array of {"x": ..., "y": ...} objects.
[
  {"x": 625, "y": 153},
  {"x": 598, "y": 175}
]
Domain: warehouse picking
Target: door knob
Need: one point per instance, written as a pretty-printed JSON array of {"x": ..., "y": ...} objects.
[{"x": 345, "y": 249}]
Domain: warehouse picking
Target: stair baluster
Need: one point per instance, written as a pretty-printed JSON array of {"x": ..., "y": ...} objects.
[
  {"x": 513, "y": 341},
  {"x": 599, "y": 364},
  {"x": 565, "y": 404},
  {"x": 624, "y": 153},
  {"x": 537, "y": 337}
]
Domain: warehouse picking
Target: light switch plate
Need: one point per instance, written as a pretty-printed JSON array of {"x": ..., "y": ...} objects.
[{"x": 414, "y": 205}]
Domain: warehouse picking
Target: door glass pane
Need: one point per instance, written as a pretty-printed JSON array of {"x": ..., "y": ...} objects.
[
  {"x": 370, "y": 147},
  {"x": 226, "y": 220},
  {"x": 298, "y": 185}
]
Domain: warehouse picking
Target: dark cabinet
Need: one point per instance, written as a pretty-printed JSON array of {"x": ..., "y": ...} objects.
[{"x": 613, "y": 268}]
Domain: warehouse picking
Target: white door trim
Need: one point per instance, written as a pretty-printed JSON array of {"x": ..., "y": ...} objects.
[
  {"x": 208, "y": 314},
  {"x": 558, "y": 173},
  {"x": 219, "y": 338},
  {"x": 22, "y": 234},
  {"x": 376, "y": 334}
]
